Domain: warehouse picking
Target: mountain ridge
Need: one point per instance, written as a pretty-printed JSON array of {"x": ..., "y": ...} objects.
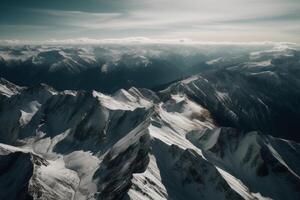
[{"x": 133, "y": 145}]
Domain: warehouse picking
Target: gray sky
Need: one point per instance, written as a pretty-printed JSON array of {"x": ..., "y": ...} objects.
[{"x": 199, "y": 20}]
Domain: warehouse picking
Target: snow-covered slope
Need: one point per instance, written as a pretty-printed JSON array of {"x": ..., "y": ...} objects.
[
  {"x": 135, "y": 144},
  {"x": 261, "y": 97}
]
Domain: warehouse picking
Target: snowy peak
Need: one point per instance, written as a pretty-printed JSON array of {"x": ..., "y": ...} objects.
[{"x": 140, "y": 144}]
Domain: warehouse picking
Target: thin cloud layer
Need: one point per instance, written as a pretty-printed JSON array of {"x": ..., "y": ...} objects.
[{"x": 205, "y": 20}]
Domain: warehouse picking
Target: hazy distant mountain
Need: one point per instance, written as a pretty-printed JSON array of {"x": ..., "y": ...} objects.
[{"x": 108, "y": 68}]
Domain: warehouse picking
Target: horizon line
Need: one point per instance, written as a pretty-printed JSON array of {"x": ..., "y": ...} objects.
[{"x": 135, "y": 40}]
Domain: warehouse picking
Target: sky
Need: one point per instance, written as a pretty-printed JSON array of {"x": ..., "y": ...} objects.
[{"x": 195, "y": 20}]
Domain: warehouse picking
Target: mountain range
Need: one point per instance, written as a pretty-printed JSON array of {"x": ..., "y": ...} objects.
[{"x": 150, "y": 122}]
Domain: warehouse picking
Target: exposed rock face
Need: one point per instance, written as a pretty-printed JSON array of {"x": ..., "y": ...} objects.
[
  {"x": 16, "y": 171},
  {"x": 132, "y": 145},
  {"x": 200, "y": 138}
]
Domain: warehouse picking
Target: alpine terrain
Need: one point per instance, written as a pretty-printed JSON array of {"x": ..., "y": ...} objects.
[{"x": 150, "y": 122}]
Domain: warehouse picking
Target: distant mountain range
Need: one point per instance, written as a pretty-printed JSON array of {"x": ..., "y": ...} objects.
[{"x": 108, "y": 68}]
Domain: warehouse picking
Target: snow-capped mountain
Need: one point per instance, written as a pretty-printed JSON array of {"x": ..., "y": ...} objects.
[
  {"x": 134, "y": 145},
  {"x": 108, "y": 68},
  {"x": 227, "y": 133}
]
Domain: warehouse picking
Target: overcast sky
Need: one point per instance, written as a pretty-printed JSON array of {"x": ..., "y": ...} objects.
[{"x": 199, "y": 20}]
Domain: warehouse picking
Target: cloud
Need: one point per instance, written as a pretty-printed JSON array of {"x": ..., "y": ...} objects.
[
  {"x": 169, "y": 19},
  {"x": 136, "y": 40}
]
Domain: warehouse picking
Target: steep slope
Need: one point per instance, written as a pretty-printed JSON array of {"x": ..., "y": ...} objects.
[
  {"x": 134, "y": 145},
  {"x": 254, "y": 98}
]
